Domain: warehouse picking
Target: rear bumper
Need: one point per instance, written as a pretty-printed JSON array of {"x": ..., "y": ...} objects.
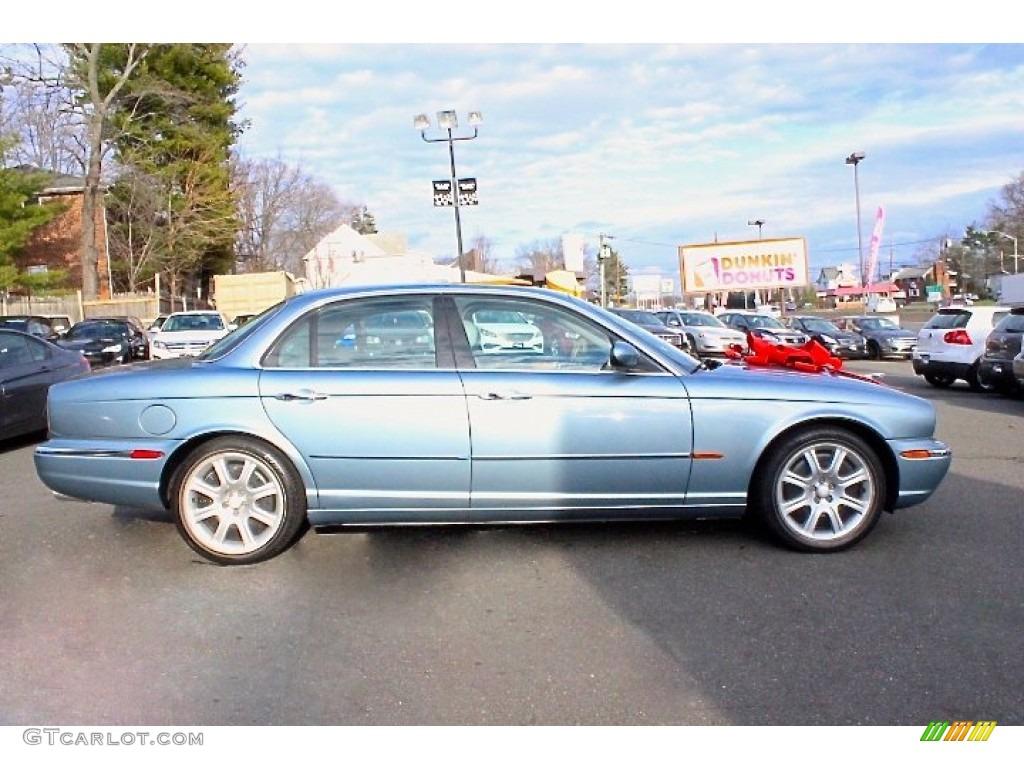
[
  {"x": 998, "y": 373},
  {"x": 941, "y": 368}
]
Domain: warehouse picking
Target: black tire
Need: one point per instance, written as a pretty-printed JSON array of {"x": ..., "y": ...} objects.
[
  {"x": 825, "y": 506},
  {"x": 940, "y": 380},
  {"x": 237, "y": 500},
  {"x": 979, "y": 383},
  {"x": 874, "y": 351}
]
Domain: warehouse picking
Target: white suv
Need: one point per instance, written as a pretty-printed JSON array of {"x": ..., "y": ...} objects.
[{"x": 950, "y": 345}]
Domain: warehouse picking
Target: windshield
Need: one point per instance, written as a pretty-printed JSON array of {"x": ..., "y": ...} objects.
[
  {"x": 699, "y": 318},
  {"x": 639, "y": 316},
  {"x": 499, "y": 316},
  {"x": 203, "y": 322},
  {"x": 816, "y": 325},
  {"x": 878, "y": 324},
  {"x": 763, "y": 321},
  {"x": 87, "y": 331}
]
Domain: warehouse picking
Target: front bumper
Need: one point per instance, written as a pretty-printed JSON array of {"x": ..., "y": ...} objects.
[{"x": 921, "y": 465}]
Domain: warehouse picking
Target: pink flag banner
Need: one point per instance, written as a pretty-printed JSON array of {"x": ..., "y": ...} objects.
[{"x": 876, "y": 240}]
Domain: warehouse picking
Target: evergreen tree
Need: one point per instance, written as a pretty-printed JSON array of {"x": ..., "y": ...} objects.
[
  {"x": 364, "y": 223},
  {"x": 17, "y": 223},
  {"x": 177, "y": 126}
]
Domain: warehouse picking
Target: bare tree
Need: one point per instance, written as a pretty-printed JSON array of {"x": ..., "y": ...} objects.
[
  {"x": 87, "y": 79},
  {"x": 284, "y": 213},
  {"x": 48, "y": 135},
  {"x": 539, "y": 258},
  {"x": 482, "y": 248}
]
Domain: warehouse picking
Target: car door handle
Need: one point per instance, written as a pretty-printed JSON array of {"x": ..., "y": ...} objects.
[
  {"x": 505, "y": 396},
  {"x": 303, "y": 394}
]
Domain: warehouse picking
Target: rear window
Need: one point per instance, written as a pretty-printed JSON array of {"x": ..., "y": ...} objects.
[
  {"x": 949, "y": 320},
  {"x": 1012, "y": 323}
]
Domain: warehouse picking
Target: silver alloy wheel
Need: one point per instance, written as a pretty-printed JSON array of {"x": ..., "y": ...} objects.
[
  {"x": 825, "y": 491},
  {"x": 232, "y": 503}
]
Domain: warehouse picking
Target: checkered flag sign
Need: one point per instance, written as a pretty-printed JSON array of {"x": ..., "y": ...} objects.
[
  {"x": 467, "y": 192},
  {"x": 443, "y": 194}
]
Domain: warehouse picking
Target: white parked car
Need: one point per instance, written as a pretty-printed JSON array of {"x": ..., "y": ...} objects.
[
  {"x": 504, "y": 331},
  {"x": 187, "y": 333},
  {"x": 950, "y": 345}
]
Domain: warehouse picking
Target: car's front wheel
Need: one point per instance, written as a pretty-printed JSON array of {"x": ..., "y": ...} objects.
[
  {"x": 237, "y": 500},
  {"x": 977, "y": 381},
  {"x": 821, "y": 490}
]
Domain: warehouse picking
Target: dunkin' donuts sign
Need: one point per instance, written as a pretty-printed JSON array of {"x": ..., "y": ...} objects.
[{"x": 743, "y": 266}]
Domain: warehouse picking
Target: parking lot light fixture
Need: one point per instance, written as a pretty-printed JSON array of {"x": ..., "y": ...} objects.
[
  {"x": 1008, "y": 237},
  {"x": 448, "y": 121}
]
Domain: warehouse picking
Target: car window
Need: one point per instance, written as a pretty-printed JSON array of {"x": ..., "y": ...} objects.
[
  {"x": 15, "y": 350},
  {"x": 547, "y": 337},
  {"x": 368, "y": 334},
  {"x": 949, "y": 320}
]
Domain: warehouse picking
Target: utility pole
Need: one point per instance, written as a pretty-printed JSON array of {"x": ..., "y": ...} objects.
[{"x": 603, "y": 255}]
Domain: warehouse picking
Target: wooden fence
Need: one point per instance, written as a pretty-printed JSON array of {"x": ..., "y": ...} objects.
[{"x": 144, "y": 306}]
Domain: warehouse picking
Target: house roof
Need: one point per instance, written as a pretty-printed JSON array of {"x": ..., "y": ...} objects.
[
  {"x": 56, "y": 183},
  {"x": 909, "y": 273}
]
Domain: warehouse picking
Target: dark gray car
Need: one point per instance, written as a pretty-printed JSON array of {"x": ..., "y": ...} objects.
[
  {"x": 28, "y": 366},
  {"x": 885, "y": 338},
  {"x": 1002, "y": 345}
]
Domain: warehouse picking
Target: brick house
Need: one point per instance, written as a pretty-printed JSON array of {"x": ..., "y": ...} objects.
[{"x": 58, "y": 244}]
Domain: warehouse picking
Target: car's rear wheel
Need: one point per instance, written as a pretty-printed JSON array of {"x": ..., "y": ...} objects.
[
  {"x": 821, "y": 490},
  {"x": 940, "y": 380},
  {"x": 238, "y": 500}
]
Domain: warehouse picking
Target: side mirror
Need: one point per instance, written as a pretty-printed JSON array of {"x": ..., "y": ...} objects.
[{"x": 624, "y": 355}]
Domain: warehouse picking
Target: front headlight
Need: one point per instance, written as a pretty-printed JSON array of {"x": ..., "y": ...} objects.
[
  {"x": 159, "y": 345},
  {"x": 828, "y": 339}
]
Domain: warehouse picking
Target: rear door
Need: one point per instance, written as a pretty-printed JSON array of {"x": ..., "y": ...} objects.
[
  {"x": 356, "y": 387},
  {"x": 26, "y": 372}
]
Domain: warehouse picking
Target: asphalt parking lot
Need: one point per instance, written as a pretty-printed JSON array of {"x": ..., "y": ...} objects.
[{"x": 108, "y": 617}]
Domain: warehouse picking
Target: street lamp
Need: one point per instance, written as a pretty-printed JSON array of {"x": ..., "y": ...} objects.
[
  {"x": 757, "y": 223},
  {"x": 1008, "y": 237},
  {"x": 447, "y": 121},
  {"x": 854, "y": 160}
]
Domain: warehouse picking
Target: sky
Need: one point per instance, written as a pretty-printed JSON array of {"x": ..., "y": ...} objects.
[
  {"x": 594, "y": 124},
  {"x": 654, "y": 145}
]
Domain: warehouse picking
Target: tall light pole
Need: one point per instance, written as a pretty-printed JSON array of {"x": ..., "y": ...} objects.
[
  {"x": 447, "y": 121},
  {"x": 854, "y": 160},
  {"x": 757, "y": 223},
  {"x": 1008, "y": 237}
]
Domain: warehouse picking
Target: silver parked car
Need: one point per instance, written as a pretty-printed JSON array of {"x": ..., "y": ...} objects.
[
  {"x": 708, "y": 336},
  {"x": 278, "y": 425}
]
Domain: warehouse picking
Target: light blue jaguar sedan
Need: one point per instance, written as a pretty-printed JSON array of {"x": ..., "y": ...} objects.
[{"x": 383, "y": 406}]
